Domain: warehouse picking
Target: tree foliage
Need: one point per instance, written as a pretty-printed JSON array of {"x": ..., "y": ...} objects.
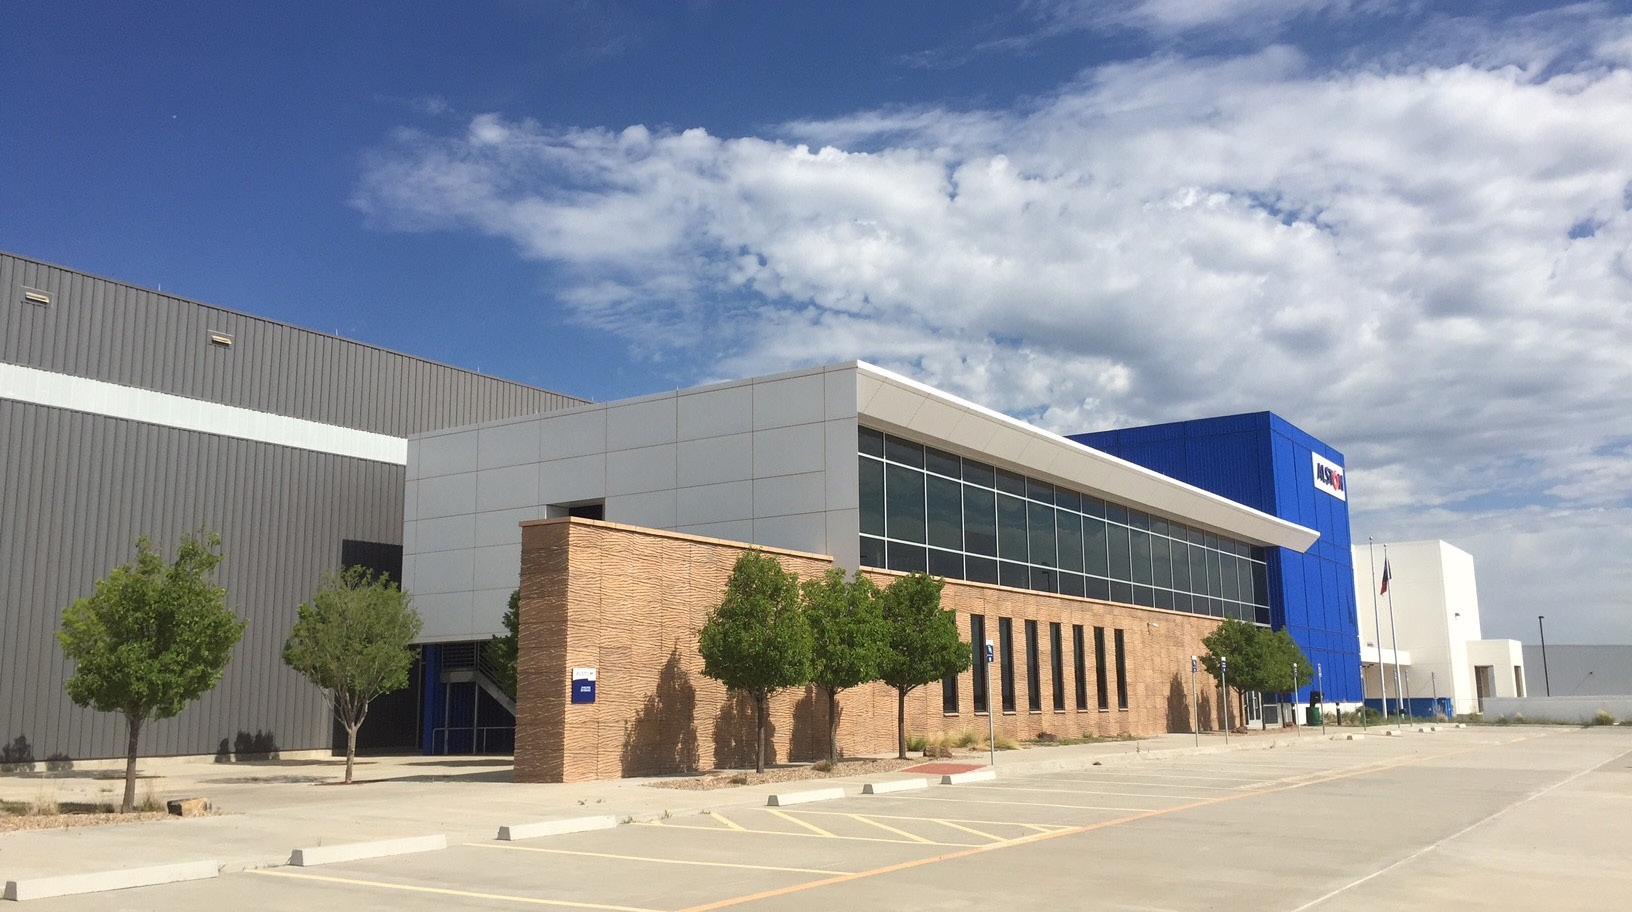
[
  {"x": 501, "y": 649},
  {"x": 354, "y": 640},
  {"x": 847, "y": 639},
  {"x": 921, "y": 642},
  {"x": 1259, "y": 659},
  {"x": 151, "y": 638},
  {"x": 757, "y": 639}
]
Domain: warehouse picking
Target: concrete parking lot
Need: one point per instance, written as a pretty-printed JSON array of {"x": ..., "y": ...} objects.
[{"x": 1501, "y": 818}]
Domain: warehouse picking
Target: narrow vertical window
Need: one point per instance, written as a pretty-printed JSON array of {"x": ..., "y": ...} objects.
[
  {"x": 1121, "y": 671},
  {"x": 1100, "y": 686},
  {"x": 1034, "y": 677},
  {"x": 1056, "y": 662},
  {"x": 977, "y": 642},
  {"x": 1081, "y": 661},
  {"x": 1005, "y": 646},
  {"x": 949, "y": 694}
]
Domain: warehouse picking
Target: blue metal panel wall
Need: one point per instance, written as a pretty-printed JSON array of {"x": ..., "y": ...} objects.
[{"x": 1264, "y": 462}]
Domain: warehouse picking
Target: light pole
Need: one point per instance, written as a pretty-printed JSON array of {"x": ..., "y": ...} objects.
[{"x": 1543, "y": 628}]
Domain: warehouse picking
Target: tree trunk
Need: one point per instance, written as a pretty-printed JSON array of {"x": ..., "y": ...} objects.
[
  {"x": 901, "y": 724},
  {"x": 351, "y": 748},
  {"x": 135, "y": 725},
  {"x": 832, "y": 725},
  {"x": 759, "y": 733}
]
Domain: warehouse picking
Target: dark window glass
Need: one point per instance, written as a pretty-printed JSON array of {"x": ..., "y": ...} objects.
[
  {"x": 945, "y": 498},
  {"x": 1068, "y": 500},
  {"x": 1121, "y": 672},
  {"x": 870, "y": 442},
  {"x": 871, "y": 496},
  {"x": 1094, "y": 543},
  {"x": 979, "y": 473},
  {"x": 1161, "y": 561},
  {"x": 1158, "y": 526},
  {"x": 1121, "y": 592},
  {"x": 1056, "y": 664},
  {"x": 904, "y": 503},
  {"x": 1098, "y": 588},
  {"x": 1164, "y": 599},
  {"x": 948, "y": 564},
  {"x": 1139, "y": 520},
  {"x": 1040, "y": 521},
  {"x": 1210, "y": 541},
  {"x": 1181, "y": 567},
  {"x": 949, "y": 694},
  {"x": 1040, "y": 491},
  {"x": 1045, "y": 580},
  {"x": 904, "y": 451},
  {"x": 1261, "y": 614},
  {"x": 1093, "y": 506},
  {"x": 1116, "y": 513},
  {"x": 942, "y": 462},
  {"x": 1010, "y": 483},
  {"x": 1071, "y": 584},
  {"x": 1181, "y": 601},
  {"x": 1229, "y": 577},
  {"x": 1242, "y": 549},
  {"x": 1215, "y": 574},
  {"x": 1198, "y": 537},
  {"x": 1260, "y": 584},
  {"x": 1198, "y": 570},
  {"x": 1011, "y": 528},
  {"x": 1101, "y": 685},
  {"x": 1176, "y": 531},
  {"x": 1005, "y": 654},
  {"x": 1144, "y": 596},
  {"x": 907, "y": 558},
  {"x": 1069, "y": 540},
  {"x": 1244, "y": 578},
  {"x": 1080, "y": 663},
  {"x": 977, "y": 642},
  {"x": 979, "y": 521},
  {"x": 1121, "y": 553},
  {"x": 872, "y": 552},
  {"x": 1034, "y": 675},
  {"x": 980, "y": 569},
  {"x": 1139, "y": 543},
  {"x": 1015, "y": 576}
]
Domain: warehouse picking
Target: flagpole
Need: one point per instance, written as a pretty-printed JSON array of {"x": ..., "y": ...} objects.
[
  {"x": 1394, "y": 639},
  {"x": 1377, "y": 632}
]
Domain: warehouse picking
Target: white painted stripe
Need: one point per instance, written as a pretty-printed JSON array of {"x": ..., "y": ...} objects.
[{"x": 98, "y": 397}]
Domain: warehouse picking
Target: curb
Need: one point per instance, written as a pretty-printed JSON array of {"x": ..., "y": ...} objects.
[
  {"x": 356, "y": 851},
  {"x": 102, "y": 881},
  {"x": 893, "y": 785},
  {"x": 787, "y": 798},
  {"x": 980, "y": 775},
  {"x": 517, "y": 831}
]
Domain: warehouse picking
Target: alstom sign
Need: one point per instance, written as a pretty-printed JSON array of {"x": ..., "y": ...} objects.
[{"x": 1329, "y": 477}]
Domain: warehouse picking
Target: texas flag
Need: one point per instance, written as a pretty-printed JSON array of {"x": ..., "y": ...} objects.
[{"x": 1387, "y": 574}]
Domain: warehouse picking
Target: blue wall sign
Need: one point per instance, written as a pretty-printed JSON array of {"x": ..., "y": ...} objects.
[{"x": 583, "y": 685}]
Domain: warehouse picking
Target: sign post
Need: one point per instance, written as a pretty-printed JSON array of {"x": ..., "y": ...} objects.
[
  {"x": 1320, "y": 682},
  {"x": 991, "y": 724},
  {"x": 1195, "y": 709},
  {"x": 1224, "y": 684}
]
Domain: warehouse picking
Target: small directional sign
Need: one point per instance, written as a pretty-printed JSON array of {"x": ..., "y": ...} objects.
[{"x": 583, "y": 685}]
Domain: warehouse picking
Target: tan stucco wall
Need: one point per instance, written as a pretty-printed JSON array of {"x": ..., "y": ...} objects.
[{"x": 629, "y": 602}]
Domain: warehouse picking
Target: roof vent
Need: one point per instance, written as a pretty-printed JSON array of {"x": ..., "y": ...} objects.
[
  {"x": 220, "y": 338},
  {"x": 36, "y": 296}
]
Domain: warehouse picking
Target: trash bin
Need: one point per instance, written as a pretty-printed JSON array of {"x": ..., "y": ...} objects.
[{"x": 1314, "y": 714}]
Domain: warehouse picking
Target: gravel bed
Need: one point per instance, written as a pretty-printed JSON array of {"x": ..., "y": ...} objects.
[
  {"x": 732, "y": 778},
  {"x": 14, "y": 823}
]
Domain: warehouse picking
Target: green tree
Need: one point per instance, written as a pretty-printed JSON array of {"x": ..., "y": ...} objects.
[
  {"x": 757, "y": 640},
  {"x": 847, "y": 640},
  {"x": 354, "y": 640},
  {"x": 150, "y": 638},
  {"x": 1259, "y": 660},
  {"x": 501, "y": 650},
  {"x": 921, "y": 642}
]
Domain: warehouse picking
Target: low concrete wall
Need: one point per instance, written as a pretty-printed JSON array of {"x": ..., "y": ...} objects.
[{"x": 1558, "y": 709}]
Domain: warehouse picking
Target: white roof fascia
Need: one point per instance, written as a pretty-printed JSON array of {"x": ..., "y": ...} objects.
[{"x": 892, "y": 402}]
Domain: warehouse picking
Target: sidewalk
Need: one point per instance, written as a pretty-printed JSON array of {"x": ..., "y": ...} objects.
[{"x": 265, "y": 810}]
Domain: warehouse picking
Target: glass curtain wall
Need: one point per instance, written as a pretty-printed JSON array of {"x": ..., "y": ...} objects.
[{"x": 924, "y": 509}]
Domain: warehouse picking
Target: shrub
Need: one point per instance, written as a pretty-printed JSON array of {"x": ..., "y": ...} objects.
[
  {"x": 1603, "y": 717},
  {"x": 1044, "y": 737},
  {"x": 823, "y": 765},
  {"x": 917, "y": 742}
]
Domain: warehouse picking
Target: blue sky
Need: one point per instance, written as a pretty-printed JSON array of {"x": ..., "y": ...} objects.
[{"x": 1403, "y": 226}]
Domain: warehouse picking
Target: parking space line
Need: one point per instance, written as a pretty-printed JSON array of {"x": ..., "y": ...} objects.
[
  {"x": 1040, "y": 804},
  {"x": 444, "y": 891},
  {"x": 681, "y": 826},
  {"x": 806, "y": 824},
  {"x": 728, "y": 823},
  {"x": 959, "y": 826},
  {"x": 1158, "y": 782},
  {"x": 1021, "y": 788},
  {"x": 673, "y": 861},
  {"x": 937, "y": 819},
  {"x": 889, "y": 829}
]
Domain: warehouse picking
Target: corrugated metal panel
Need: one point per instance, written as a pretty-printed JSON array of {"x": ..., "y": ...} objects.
[
  {"x": 80, "y": 488},
  {"x": 134, "y": 337}
]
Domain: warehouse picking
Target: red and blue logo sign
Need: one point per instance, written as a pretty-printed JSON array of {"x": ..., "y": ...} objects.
[{"x": 1329, "y": 477}]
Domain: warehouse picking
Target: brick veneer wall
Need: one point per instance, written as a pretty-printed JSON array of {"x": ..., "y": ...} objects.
[{"x": 629, "y": 602}]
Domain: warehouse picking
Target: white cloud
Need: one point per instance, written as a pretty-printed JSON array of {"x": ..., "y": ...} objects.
[{"x": 1383, "y": 254}]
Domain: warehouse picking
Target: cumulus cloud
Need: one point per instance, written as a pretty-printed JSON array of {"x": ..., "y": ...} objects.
[{"x": 1426, "y": 263}]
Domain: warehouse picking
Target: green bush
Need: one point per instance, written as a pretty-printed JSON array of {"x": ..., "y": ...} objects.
[
  {"x": 1603, "y": 717},
  {"x": 917, "y": 742}
]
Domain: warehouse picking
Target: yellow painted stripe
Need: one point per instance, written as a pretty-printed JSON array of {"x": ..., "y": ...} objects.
[
  {"x": 735, "y": 826},
  {"x": 959, "y": 826},
  {"x": 673, "y": 861},
  {"x": 889, "y": 829},
  {"x": 442, "y": 891},
  {"x": 681, "y": 826},
  {"x": 806, "y": 824},
  {"x": 1021, "y": 788},
  {"x": 953, "y": 819},
  {"x": 1036, "y": 804}
]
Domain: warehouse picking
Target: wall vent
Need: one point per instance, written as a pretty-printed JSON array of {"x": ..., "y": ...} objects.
[
  {"x": 220, "y": 338},
  {"x": 36, "y": 296}
]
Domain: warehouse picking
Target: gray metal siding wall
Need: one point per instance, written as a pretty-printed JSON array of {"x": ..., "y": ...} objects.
[
  {"x": 80, "y": 488},
  {"x": 134, "y": 337}
]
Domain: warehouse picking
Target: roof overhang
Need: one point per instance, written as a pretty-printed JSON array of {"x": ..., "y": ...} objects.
[{"x": 892, "y": 402}]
